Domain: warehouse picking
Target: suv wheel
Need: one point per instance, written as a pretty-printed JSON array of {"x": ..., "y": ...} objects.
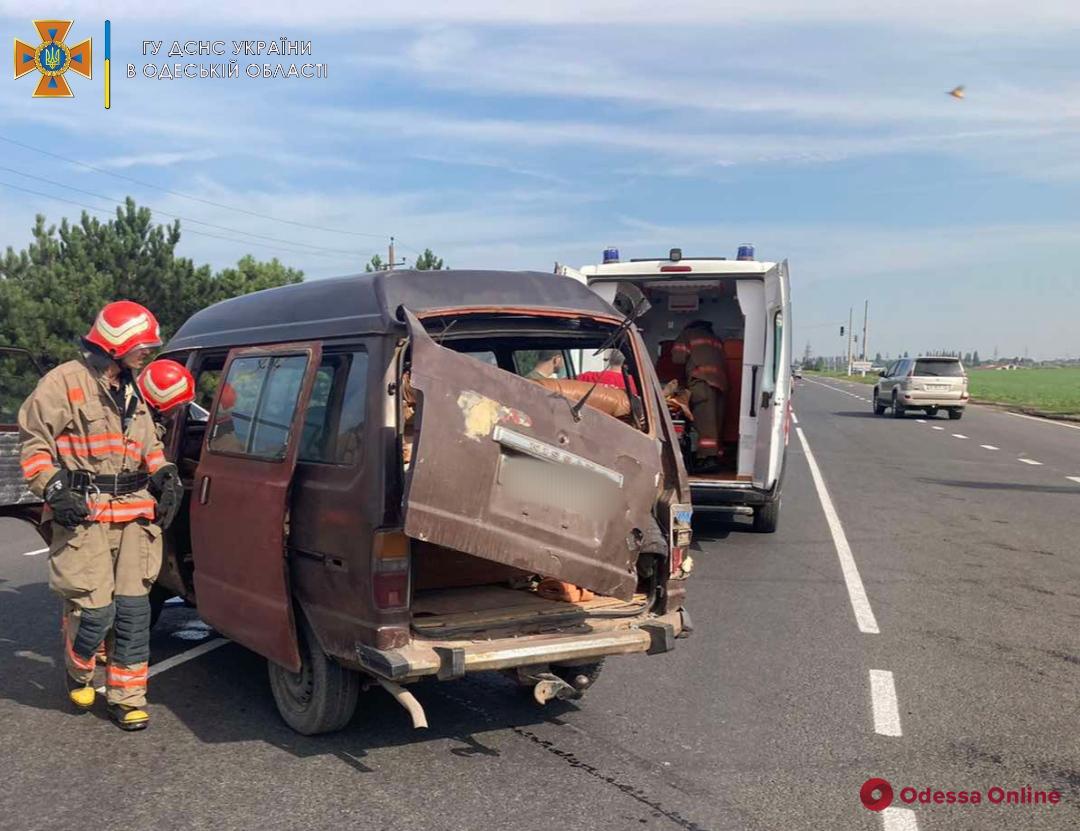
[
  {"x": 898, "y": 409},
  {"x": 955, "y": 414},
  {"x": 321, "y": 697},
  {"x": 879, "y": 408}
]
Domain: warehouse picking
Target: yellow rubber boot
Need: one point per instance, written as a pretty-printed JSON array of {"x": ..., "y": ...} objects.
[
  {"x": 129, "y": 718},
  {"x": 82, "y": 697}
]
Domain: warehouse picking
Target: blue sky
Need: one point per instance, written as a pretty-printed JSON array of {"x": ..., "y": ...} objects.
[{"x": 513, "y": 137}]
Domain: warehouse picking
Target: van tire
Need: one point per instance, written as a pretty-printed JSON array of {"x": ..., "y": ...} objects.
[
  {"x": 767, "y": 517},
  {"x": 956, "y": 414},
  {"x": 320, "y": 698}
]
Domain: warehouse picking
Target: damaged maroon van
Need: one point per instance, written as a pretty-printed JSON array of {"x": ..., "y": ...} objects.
[{"x": 398, "y": 475}]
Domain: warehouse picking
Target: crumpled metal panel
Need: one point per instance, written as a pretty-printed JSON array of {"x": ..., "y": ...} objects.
[
  {"x": 501, "y": 470},
  {"x": 13, "y": 489}
]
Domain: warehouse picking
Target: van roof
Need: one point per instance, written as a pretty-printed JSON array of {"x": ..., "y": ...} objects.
[{"x": 367, "y": 303}]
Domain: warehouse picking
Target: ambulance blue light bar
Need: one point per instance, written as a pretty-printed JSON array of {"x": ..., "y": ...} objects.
[
  {"x": 611, "y": 255},
  {"x": 746, "y": 252}
]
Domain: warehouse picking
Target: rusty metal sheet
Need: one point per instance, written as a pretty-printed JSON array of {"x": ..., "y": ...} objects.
[{"x": 501, "y": 470}]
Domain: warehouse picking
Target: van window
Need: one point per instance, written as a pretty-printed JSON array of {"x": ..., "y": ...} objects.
[
  {"x": 334, "y": 422},
  {"x": 254, "y": 417}
]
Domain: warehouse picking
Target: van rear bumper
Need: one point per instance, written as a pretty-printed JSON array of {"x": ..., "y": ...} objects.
[{"x": 448, "y": 659}]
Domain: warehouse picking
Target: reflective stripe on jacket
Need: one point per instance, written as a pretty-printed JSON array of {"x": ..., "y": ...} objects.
[{"x": 72, "y": 421}]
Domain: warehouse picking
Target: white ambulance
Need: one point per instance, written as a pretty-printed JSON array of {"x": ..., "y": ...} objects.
[{"x": 748, "y": 303}]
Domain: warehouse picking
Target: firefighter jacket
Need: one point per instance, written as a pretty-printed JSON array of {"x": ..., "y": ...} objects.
[
  {"x": 703, "y": 354},
  {"x": 72, "y": 420}
]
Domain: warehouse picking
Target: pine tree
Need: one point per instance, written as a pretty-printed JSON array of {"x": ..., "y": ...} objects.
[{"x": 428, "y": 262}]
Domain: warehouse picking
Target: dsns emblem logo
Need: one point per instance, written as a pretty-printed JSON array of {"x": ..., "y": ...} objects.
[{"x": 53, "y": 58}]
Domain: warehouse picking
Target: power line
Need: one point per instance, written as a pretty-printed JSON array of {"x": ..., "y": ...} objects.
[
  {"x": 189, "y": 231},
  {"x": 183, "y": 218},
  {"x": 189, "y": 196}
]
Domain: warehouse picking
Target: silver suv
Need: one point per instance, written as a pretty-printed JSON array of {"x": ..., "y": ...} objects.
[{"x": 929, "y": 384}]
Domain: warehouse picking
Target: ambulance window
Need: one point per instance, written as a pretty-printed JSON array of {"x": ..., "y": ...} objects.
[{"x": 778, "y": 340}]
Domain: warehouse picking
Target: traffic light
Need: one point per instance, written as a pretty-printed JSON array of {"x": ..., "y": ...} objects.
[{"x": 841, "y": 331}]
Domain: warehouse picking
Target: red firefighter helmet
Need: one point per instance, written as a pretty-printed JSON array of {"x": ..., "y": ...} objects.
[
  {"x": 166, "y": 384},
  {"x": 123, "y": 326}
]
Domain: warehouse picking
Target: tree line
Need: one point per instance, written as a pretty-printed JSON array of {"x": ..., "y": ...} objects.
[{"x": 51, "y": 290}]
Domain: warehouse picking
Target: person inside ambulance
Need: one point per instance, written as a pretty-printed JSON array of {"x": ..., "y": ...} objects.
[
  {"x": 702, "y": 353},
  {"x": 89, "y": 449}
]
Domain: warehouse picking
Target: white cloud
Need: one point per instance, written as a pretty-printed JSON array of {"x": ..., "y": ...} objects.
[
  {"x": 153, "y": 159},
  {"x": 985, "y": 14}
]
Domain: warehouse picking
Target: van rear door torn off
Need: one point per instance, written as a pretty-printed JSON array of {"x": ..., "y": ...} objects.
[{"x": 504, "y": 470}]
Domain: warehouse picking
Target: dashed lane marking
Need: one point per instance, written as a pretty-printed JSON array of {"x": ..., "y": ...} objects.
[
  {"x": 959, "y": 436},
  {"x": 939, "y": 428},
  {"x": 1028, "y": 461},
  {"x": 989, "y": 447},
  {"x": 883, "y": 698},
  {"x": 1074, "y": 479},
  {"x": 34, "y": 553}
]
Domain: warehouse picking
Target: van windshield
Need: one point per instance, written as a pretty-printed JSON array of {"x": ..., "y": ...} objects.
[{"x": 943, "y": 368}]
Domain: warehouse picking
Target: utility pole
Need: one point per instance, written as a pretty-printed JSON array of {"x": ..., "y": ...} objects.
[
  {"x": 850, "y": 321},
  {"x": 392, "y": 263},
  {"x": 865, "y": 319}
]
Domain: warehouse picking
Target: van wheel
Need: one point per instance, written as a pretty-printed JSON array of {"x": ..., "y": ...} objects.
[
  {"x": 321, "y": 697},
  {"x": 898, "y": 409},
  {"x": 956, "y": 414},
  {"x": 879, "y": 408},
  {"x": 580, "y": 677},
  {"x": 767, "y": 517}
]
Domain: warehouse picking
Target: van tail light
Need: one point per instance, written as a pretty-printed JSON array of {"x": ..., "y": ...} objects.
[
  {"x": 676, "y": 561},
  {"x": 390, "y": 570}
]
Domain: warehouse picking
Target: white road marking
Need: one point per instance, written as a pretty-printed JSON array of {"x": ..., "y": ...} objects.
[
  {"x": 989, "y": 447},
  {"x": 1028, "y": 461},
  {"x": 794, "y": 418},
  {"x": 860, "y": 603},
  {"x": 959, "y": 436},
  {"x": 883, "y": 698},
  {"x": 183, "y": 657},
  {"x": 1047, "y": 420},
  {"x": 920, "y": 421},
  {"x": 1074, "y": 479},
  {"x": 939, "y": 428},
  {"x": 34, "y": 553},
  {"x": 899, "y": 819}
]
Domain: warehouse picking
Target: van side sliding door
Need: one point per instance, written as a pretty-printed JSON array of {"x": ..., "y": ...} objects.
[{"x": 239, "y": 500}]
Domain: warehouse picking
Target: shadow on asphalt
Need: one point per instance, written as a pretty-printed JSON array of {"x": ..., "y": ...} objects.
[
  {"x": 31, "y": 648},
  {"x": 225, "y": 698},
  {"x": 856, "y": 414},
  {"x": 1000, "y": 486}
]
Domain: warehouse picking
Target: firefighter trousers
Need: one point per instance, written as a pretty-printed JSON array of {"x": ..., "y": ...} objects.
[
  {"x": 707, "y": 405},
  {"x": 104, "y": 571}
]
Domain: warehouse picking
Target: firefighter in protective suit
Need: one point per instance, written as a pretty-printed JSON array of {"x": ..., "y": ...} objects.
[
  {"x": 90, "y": 450},
  {"x": 703, "y": 355}
]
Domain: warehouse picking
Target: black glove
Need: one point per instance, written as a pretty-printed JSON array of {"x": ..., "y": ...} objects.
[
  {"x": 68, "y": 506},
  {"x": 166, "y": 486}
]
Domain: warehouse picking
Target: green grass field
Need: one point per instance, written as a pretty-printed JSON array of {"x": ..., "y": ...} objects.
[{"x": 1050, "y": 391}]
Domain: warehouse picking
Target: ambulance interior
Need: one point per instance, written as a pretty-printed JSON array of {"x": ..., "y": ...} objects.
[{"x": 668, "y": 306}]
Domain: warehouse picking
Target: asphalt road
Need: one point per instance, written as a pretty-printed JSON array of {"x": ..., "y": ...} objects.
[{"x": 771, "y": 716}]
